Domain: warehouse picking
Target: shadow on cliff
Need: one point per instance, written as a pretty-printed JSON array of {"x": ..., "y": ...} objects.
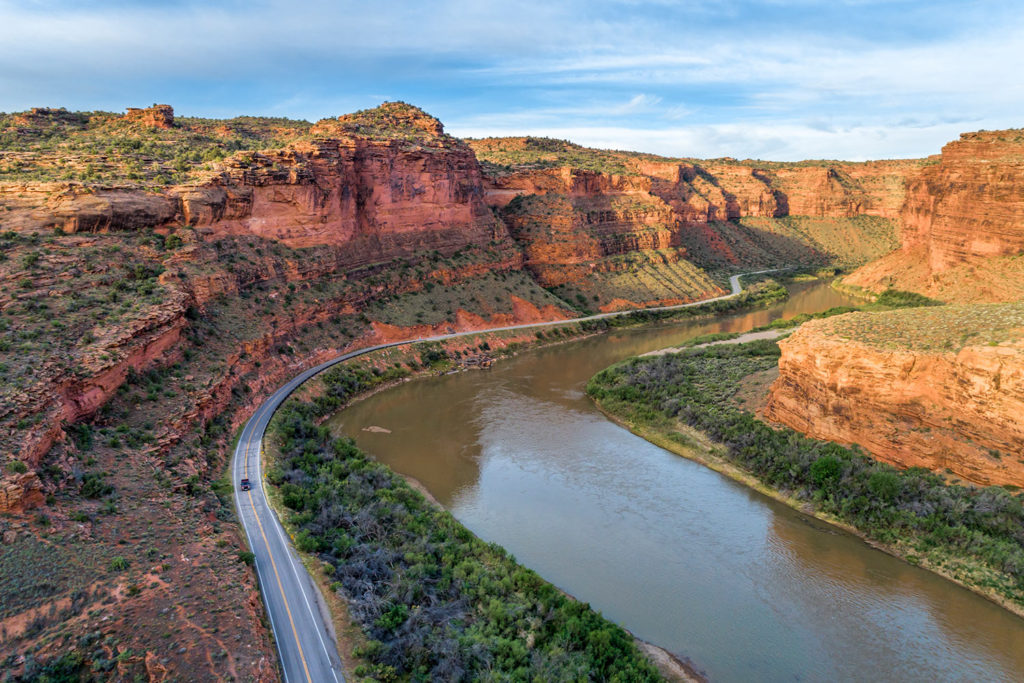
[{"x": 728, "y": 244}]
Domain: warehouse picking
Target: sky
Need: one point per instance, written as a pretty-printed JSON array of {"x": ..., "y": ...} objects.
[{"x": 768, "y": 79}]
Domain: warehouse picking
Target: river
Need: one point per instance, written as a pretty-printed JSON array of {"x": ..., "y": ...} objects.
[{"x": 684, "y": 557}]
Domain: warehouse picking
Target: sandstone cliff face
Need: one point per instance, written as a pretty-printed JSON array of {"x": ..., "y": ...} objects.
[
  {"x": 20, "y": 492},
  {"x": 963, "y": 211},
  {"x": 687, "y": 203},
  {"x": 939, "y": 410},
  {"x": 377, "y": 200},
  {"x": 374, "y": 196},
  {"x": 565, "y": 238},
  {"x": 714, "y": 190},
  {"x": 157, "y": 116}
]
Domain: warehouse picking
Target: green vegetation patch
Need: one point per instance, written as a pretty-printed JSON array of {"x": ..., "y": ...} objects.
[
  {"x": 500, "y": 156},
  {"x": 764, "y": 293},
  {"x": 105, "y": 147},
  {"x": 487, "y": 295},
  {"x": 34, "y": 572},
  {"x": 436, "y": 602},
  {"x": 809, "y": 240},
  {"x": 933, "y": 328},
  {"x": 973, "y": 534},
  {"x": 890, "y": 299},
  {"x": 639, "y": 277},
  {"x": 389, "y": 121}
]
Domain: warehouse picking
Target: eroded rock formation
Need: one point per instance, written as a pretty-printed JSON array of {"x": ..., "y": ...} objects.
[
  {"x": 157, "y": 116},
  {"x": 962, "y": 224},
  {"x": 957, "y": 411},
  {"x": 643, "y": 203}
]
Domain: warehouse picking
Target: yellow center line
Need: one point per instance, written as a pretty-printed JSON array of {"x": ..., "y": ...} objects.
[{"x": 273, "y": 563}]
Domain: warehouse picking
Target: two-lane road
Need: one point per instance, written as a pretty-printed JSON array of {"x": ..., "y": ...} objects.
[{"x": 304, "y": 644}]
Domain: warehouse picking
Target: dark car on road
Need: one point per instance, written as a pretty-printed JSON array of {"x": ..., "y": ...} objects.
[{"x": 246, "y": 485}]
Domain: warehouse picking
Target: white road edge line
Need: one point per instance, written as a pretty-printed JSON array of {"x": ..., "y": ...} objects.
[{"x": 259, "y": 575}]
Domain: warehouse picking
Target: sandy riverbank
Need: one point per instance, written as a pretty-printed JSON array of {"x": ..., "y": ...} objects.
[{"x": 742, "y": 339}]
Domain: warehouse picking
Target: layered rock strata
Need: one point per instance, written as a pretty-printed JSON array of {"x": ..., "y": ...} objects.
[
  {"x": 963, "y": 217},
  {"x": 945, "y": 411}
]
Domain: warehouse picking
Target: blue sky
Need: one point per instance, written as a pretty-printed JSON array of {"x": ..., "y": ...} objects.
[{"x": 849, "y": 79}]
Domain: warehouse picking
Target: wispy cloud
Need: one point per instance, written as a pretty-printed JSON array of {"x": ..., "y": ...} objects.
[
  {"x": 779, "y": 142},
  {"x": 847, "y": 78}
]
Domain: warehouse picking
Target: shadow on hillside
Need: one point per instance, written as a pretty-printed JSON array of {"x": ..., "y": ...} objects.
[{"x": 729, "y": 244}]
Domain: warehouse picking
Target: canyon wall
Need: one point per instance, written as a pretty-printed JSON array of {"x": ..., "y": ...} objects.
[
  {"x": 194, "y": 265},
  {"x": 636, "y": 202},
  {"x": 376, "y": 200},
  {"x": 956, "y": 410},
  {"x": 962, "y": 225},
  {"x": 716, "y": 190},
  {"x": 368, "y": 194},
  {"x": 904, "y": 399}
]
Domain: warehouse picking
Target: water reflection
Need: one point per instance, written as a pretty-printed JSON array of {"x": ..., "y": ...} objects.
[{"x": 746, "y": 587}]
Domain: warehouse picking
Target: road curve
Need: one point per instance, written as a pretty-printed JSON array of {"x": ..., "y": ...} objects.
[{"x": 304, "y": 644}]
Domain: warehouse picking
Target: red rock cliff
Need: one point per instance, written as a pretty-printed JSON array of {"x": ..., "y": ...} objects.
[
  {"x": 377, "y": 199},
  {"x": 961, "y": 224},
  {"x": 377, "y": 193},
  {"x": 681, "y": 204},
  {"x": 957, "y": 410}
]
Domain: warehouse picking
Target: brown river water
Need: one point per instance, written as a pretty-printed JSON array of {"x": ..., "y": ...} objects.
[{"x": 684, "y": 557}]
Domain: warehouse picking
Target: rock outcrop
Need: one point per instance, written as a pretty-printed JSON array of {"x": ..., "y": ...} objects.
[
  {"x": 659, "y": 204},
  {"x": 157, "y": 116},
  {"x": 962, "y": 224},
  {"x": 942, "y": 410},
  {"x": 20, "y": 492},
  {"x": 376, "y": 199}
]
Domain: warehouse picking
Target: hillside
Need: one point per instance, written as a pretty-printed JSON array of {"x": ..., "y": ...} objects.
[
  {"x": 162, "y": 274},
  {"x": 576, "y": 211},
  {"x": 962, "y": 226}
]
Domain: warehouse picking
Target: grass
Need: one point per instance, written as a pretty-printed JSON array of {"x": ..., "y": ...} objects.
[
  {"x": 486, "y": 296},
  {"x": 642, "y": 278},
  {"x": 79, "y": 300},
  {"x": 933, "y": 328},
  {"x": 104, "y": 147},
  {"x": 504, "y": 155},
  {"x": 35, "y": 571},
  {"x": 393, "y": 121},
  {"x": 773, "y": 242}
]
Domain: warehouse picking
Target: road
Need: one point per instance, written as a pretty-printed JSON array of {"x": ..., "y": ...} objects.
[{"x": 304, "y": 643}]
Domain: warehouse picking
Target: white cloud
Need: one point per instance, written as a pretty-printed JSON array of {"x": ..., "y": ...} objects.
[{"x": 777, "y": 142}]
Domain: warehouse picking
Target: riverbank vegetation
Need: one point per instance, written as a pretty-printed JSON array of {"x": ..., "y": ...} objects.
[
  {"x": 763, "y": 293},
  {"x": 973, "y": 535},
  {"x": 434, "y": 601}
]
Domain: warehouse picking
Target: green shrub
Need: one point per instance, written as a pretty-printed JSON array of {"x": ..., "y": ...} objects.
[
  {"x": 895, "y": 298},
  {"x": 17, "y": 467},
  {"x": 94, "y": 486}
]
